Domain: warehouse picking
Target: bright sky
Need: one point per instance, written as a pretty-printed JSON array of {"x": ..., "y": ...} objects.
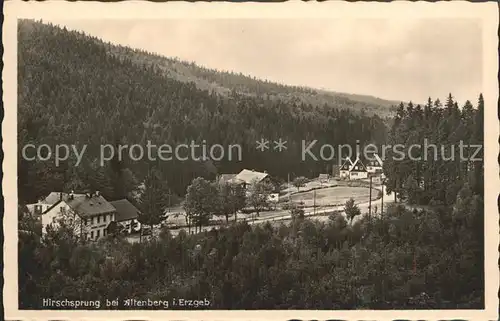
[{"x": 394, "y": 59}]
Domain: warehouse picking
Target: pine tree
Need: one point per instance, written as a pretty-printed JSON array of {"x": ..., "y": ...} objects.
[
  {"x": 153, "y": 199},
  {"x": 478, "y": 133},
  {"x": 99, "y": 181},
  {"x": 351, "y": 210}
]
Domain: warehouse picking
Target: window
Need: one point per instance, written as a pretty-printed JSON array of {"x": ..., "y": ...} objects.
[
  {"x": 85, "y": 221},
  {"x": 98, "y": 219},
  {"x": 92, "y": 234},
  {"x": 97, "y": 233},
  {"x": 104, "y": 218},
  {"x": 104, "y": 232}
]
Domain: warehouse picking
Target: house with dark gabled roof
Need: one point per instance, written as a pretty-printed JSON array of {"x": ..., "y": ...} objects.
[
  {"x": 345, "y": 168},
  {"x": 126, "y": 216}
]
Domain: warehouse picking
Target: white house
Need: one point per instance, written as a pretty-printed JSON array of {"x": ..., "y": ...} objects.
[
  {"x": 90, "y": 214},
  {"x": 373, "y": 163},
  {"x": 246, "y": 178}
]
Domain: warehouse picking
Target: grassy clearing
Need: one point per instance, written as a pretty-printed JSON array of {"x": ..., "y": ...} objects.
[{"x": 333, "y": 196}]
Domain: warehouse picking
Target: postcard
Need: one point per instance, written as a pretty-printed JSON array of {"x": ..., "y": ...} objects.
[{"x": 223, "y": 161}]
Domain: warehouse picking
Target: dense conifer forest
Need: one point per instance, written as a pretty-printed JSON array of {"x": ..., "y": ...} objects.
[{"x": 426, "y": 251}]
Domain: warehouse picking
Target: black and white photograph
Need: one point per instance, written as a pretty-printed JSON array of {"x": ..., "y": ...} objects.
[{"x": 247, "y": 163}]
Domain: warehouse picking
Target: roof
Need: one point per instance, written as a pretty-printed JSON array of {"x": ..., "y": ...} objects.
[
  {"x": 373, "y": 160},
  {"x": 125, "y": 210},
  {"x": 55, "y": 197},
  {"x": 249, "y": 176},
  {"x": 89, "y": 206},
  {"x": 358, "y": 166},
  {"x": 347, "y": 165}
]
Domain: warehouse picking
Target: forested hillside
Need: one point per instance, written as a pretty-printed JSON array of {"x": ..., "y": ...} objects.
[
  {"x": 74, "y": 89},
  {"x": 225, "y": 83}
]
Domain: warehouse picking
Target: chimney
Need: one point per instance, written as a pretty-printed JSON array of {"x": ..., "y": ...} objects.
[
  {"x": 60, "y": 196},
  {"x": 97, "y": 193},
  {"x": 71, "y": 195}
]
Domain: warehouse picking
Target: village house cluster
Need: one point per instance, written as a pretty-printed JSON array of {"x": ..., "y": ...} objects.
[
  {"x": 90, "y": 213},
  {"x": 361, "y": 168},
  {"x": 93, "y": 215}
]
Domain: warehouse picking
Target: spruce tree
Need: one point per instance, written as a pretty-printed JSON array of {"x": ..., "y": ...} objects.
[{"x": 153, "y": 199}]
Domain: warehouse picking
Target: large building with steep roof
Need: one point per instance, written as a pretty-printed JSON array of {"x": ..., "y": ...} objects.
[{"x": 89, "y": 214}]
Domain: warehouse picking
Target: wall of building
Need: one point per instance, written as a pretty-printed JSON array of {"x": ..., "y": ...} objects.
[
  {"x": 126, "y": 225},
  {"x": 358, "y": 175},
  {"x": 373, "y": 169},
  {"x": 95, "y": 226},
  {"x": 92, "y": 227},
  {"x": 344, "y": 174}
]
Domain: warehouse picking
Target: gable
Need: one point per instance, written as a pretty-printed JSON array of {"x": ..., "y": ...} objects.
[
  {"x": 373, "y": 160},
  {"x": 55, "y": 208},
  {"x": 347, "y": 165},
  {"x": 358, "y": 166}
]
